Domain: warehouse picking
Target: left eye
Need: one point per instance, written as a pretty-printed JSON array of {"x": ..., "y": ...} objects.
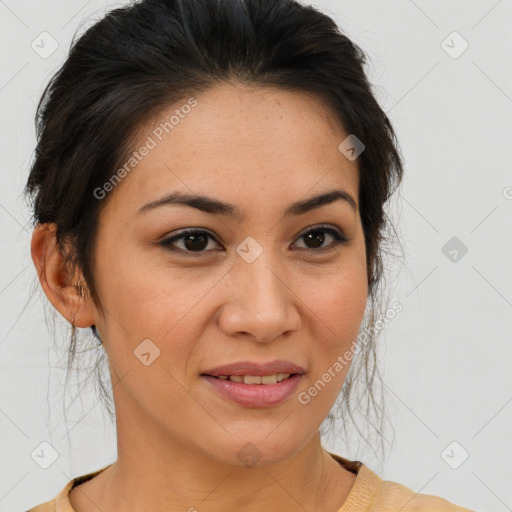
[
  {"x": 315, "y": 235},
  {"x": 195, "y": 241}
]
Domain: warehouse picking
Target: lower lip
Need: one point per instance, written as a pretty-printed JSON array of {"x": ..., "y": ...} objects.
[{"x": 255, "y": 395}]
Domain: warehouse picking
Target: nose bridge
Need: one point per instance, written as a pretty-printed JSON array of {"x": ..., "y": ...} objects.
[{"x": 257, "y": 267}]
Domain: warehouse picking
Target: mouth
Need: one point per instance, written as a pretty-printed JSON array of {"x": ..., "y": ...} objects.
[
  {"x": 255, "y": 383},
  {"x": 254, "y": 391},
  {"x": 254, "y": 379}
]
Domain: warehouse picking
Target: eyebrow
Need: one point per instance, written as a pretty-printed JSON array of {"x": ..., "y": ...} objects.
[{"x": 217, "y": 207}]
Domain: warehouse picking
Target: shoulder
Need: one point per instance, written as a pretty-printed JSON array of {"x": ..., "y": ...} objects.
[
  {"x": 372, "y": 494},
  {"x": 61, "y": 502},
  {"x": 392, "y": 495}
]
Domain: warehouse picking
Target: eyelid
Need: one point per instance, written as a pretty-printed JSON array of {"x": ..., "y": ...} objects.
[
  {"x": 327, "y": 227},
  {"x": 167, "y": 242},
  {"x": 336, "y": 232}
]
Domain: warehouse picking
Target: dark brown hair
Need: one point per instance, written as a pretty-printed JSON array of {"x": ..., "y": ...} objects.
[{"x": 139, "y": 59}]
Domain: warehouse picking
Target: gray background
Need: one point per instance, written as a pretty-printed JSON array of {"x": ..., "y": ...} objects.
[{"x": 446, "y": 357}]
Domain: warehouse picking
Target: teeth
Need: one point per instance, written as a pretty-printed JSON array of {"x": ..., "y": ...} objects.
[
  {"x": 256, "y": 379},
  {"x": 268, "y": 379}
]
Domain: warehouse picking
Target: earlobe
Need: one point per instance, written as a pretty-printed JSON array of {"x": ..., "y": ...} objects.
[{"x": 64, "y": 291}]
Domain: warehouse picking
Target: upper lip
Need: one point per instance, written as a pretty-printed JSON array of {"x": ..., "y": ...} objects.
[{"x": 254, "y": 368}]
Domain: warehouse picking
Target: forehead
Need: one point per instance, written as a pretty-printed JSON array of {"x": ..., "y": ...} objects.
[{"x": 247, "y": 140}]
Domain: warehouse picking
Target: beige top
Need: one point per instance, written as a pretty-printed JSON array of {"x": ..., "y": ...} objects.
[{"x": 369, "y": 494}]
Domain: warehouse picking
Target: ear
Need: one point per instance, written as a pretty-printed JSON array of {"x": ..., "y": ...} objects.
[{"x": 66, "y": 292}]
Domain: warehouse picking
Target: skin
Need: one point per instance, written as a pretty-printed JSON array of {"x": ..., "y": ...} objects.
[{"x": 260, "y": 149}]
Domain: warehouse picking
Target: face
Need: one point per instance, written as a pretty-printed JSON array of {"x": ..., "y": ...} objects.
[{"x": 265, "y": 282}]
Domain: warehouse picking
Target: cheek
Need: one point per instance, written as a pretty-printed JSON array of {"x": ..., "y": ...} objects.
[
  {"x": 147, "y": 301},
  {"x": 338, "y": 300},
  {"x": 337, "y": 313},
  {"x": 338, "y": 308}
]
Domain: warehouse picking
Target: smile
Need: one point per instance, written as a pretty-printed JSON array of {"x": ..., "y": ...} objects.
[
  {"x": 256, "y": 379},
  {"x": 254, "y": 390}
]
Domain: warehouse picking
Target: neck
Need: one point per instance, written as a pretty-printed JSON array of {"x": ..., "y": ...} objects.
[{"x": 157, "y": 471}]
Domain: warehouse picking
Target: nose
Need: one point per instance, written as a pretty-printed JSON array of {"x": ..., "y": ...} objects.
[{"x": 261, "y": 303}]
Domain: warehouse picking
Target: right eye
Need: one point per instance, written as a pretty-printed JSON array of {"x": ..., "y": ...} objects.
[{"x": 193, "y": 241}]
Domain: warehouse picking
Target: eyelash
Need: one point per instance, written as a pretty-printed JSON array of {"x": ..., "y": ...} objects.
[{"x": 339, "y": 239}]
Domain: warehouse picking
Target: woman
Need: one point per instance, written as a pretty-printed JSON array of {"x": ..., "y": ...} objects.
[{"x": 248, "y": 129}]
